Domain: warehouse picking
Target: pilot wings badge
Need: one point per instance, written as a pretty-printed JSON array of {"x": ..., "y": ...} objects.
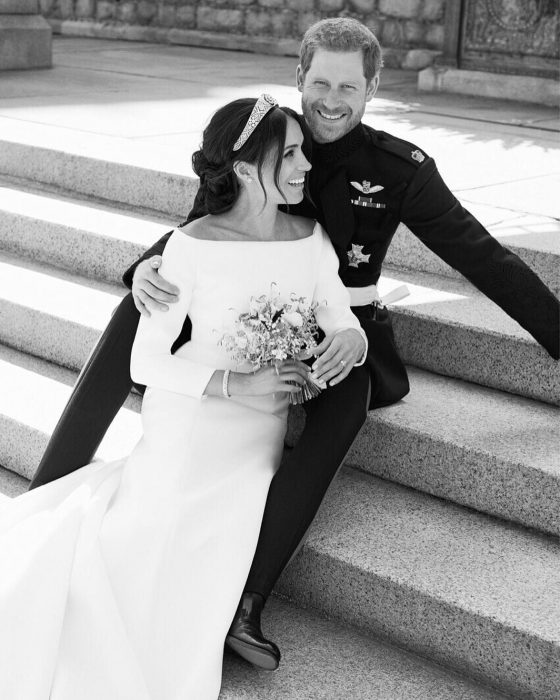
[
  {"x": 355, "y": 256},
  {"x": 365, "y": 188}
]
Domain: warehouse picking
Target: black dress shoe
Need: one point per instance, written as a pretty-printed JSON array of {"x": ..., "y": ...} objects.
[{"x": 245, "y": 636}]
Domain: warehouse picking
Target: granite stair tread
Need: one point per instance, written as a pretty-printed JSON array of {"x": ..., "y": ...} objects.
[
  {"x": 497, "y": 455},
  {"x": 424, "y": 544},
  {"x": 51, "y": 290},
  {"x": 90, "y": 237},
  {"x": 102, "y": 147},
  {"x": 447, "y": 326},
  {"x": 534, "y": 237},
  {"x": 52, "y": 313},
  {"x": 323, "y": 659},
  {"x": 471, "y": 591},
  {"x": 112, "y": 168},
  {"x": 492, "y": 451},
  {"x": 430, "y": 544},
  {"x": 382, "y": 537},
  {"x": 138, "y": 174},
  {"x": 34, "y": 393},
  {"x": 454, "y": 301},
  {"x": 31, "y": 216}
]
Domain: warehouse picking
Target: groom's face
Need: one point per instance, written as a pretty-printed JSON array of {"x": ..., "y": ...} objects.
[{"x": 334, "y": 93}]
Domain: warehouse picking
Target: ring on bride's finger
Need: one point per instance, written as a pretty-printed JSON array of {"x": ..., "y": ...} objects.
[{"x": 343, "y": 363}]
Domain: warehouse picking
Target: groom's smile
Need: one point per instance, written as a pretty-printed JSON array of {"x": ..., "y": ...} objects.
[
  {"x": 331, "y": 117},
  {"x": 334, "y": 93}
]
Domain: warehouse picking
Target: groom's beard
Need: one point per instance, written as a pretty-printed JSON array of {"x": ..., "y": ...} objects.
[{"x": 325, "y": 131}]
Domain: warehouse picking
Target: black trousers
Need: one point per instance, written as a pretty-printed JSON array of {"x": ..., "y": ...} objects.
[
  {"x": 101, "y": 389},
  {"x": 332, "y": 421}
]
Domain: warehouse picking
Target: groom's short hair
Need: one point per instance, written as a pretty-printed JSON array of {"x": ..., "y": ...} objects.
[{"x": 342, "y": 34}]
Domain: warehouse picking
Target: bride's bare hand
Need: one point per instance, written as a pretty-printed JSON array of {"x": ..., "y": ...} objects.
[{"x": 270, "y": 380}]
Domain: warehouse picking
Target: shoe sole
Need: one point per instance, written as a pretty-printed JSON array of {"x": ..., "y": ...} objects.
[{"x": 254, "y": 655}]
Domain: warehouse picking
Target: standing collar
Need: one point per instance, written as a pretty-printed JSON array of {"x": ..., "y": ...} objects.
[{"x": 336, "y": 151}]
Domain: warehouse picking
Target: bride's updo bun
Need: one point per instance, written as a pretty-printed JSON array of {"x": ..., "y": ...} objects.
[
  {"x": 213, "y": 162},
  {"x": 218, "y": 183}
]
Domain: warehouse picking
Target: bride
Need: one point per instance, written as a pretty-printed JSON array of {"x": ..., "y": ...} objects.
[{"x": 119, "y": 581}]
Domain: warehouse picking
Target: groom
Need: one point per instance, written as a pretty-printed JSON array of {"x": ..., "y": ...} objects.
[{"x": 363, "y": 183}]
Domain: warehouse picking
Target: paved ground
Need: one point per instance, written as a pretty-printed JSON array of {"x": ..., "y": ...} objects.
[{"x": 148, "y": 103}]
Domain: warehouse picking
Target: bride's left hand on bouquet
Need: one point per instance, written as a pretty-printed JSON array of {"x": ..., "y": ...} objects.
[{"x": 336, "y": 356}]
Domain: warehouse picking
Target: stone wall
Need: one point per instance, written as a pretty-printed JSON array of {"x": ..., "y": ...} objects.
[{"x": 410, "y": 31}]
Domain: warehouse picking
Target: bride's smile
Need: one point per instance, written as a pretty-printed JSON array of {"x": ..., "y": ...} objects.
[{"x": 283, "y": 181}]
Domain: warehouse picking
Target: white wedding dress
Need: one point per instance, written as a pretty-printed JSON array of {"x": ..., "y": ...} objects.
[{"x": 120, "y": 580}]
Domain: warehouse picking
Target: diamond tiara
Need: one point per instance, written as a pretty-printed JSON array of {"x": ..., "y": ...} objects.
[{"x": 262, "y": 106}]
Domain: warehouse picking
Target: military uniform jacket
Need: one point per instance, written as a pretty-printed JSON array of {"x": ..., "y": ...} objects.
[{"x": 363, "y": 185}]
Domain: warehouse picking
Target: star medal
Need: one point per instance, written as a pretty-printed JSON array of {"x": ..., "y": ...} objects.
[
  {"x": 355, "y": 256},
  {"x": 418, "y": 155}
]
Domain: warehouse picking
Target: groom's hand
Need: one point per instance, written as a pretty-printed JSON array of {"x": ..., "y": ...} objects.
[
  {"x": 336, "y": 356},
  {"x": 151, "y": 291}
]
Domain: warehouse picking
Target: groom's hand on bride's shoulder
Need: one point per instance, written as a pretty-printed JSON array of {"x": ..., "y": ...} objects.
[{"x": 151, "y": 291}]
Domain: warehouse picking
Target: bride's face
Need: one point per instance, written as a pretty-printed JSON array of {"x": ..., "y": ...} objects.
[{"x": 295, "y": 165}]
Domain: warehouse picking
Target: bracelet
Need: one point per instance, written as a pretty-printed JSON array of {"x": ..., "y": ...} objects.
[{"x": 225, "y": 382}]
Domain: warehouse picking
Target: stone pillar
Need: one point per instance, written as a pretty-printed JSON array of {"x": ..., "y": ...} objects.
[{"x": 25, "y": 36}]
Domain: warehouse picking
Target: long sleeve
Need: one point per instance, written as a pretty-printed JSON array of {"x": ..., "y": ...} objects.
[
  {"x": 333, "y": 312},
  {"x": 433, "y": 214},
  {"x": 151, "y": 361}
]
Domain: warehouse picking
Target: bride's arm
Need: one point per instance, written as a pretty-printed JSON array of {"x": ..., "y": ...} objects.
[
  {"x": 151, "y": 361},
  {"x": 333, "y": 313}
]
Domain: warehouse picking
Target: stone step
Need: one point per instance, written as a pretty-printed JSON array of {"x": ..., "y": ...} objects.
[
  {"x": 85, "y": 236},
  {"x": 361, "y": 546},
  {"x": 25, "y": 37},
  {"x": 51, "y": 313},
  {"x": 534, "y": 238},
  {"x": 322, "y": 659},
  {"x": 121, "y": 170},
  {"x": 478, "y": 447},
  {"x": 109, "y": 168},
  {"x": 448, "y": 327},
  {"x": 34, "y": 393},
  {"x": 100, "y": 239},
  {"x": 444, "y": 326},
  {"x": 461, "y": 588}
]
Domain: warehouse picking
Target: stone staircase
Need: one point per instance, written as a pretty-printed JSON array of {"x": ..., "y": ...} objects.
[{"x": 433, "y": 569}]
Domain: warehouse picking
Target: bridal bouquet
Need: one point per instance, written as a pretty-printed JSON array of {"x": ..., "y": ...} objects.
[{"x": 274, "y": 330}]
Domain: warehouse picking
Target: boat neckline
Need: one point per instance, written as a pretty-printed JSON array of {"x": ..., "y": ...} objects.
[{"x": 252, "y": 240}]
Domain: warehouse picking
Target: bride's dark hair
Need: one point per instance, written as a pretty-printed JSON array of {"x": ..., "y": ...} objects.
[{"x": 213, "y": 163}]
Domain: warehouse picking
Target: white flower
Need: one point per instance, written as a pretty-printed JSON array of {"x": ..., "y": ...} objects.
[
  {"x": 255, "y": 306},
  {"x": 294, "y": 319}
]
